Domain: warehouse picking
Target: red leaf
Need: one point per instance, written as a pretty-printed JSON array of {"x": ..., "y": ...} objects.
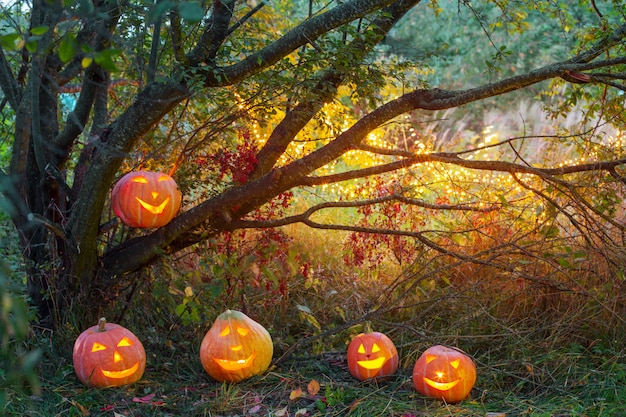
[{"x": 144, "y": 400}]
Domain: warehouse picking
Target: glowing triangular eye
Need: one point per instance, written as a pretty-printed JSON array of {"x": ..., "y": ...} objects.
[
  {"x": 97, "y": 347},
  {"x": 361, "y": 349},
  {"x": 225, "y": 331},
  {"x": 163, "y": 178},
  {"x": 455, "y": 363},
  {"x": 242, "y": 331},
  {"x": 430, "y": 358},
  {"x": 375, "y": 348},
  {"x": 140, "y": 179},
  {"x": 125, "y": 342}
]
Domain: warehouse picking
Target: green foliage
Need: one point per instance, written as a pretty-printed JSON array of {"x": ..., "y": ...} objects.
[
  {"x": 18, "y": 356},
  {"x": 18, "y": 374}
]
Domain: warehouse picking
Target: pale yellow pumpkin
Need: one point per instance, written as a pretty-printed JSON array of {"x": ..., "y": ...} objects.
[{"x": 236, "y": 348}]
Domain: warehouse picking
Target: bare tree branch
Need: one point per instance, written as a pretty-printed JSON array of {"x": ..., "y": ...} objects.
[
  {"x": 305, "y": 217},
  {"x": 215, "y": 33},
  {"x": 8, "y": 83}
]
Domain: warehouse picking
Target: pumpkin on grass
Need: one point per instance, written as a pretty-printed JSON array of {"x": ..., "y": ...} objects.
[
  {"x": 108, "y": 355},
  {"x": 146, "y": 199},
  {"x": 444, "y": 373},
  {"x": 235, "y": 348},
  {"x": 372, "y": 355}
]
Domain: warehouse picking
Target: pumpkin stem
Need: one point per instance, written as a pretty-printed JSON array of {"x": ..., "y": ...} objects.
[{"x": 101, "y": 323}]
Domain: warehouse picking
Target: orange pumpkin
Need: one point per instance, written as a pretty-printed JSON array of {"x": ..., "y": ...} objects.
[
  {"x": 235, "y": 348},
  {"x": 108, "y": 355},
  {"x": 146, "y": 199},
  {"x": 372, "y": 355},
  {"x": 444, "y": 373}
]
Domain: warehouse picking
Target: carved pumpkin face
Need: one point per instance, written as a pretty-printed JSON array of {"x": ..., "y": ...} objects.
[
  {"x": 372, "y": 355},
  {"x": 108, "y": 355},
  {"x": 444, "y": 373},
  {"x": 146, "y": 199},
  {"x": 235, "y": 348}
]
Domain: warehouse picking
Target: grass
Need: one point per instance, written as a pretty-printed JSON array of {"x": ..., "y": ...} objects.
[
  {"x": 543, "y": 359},
  {"x": 571, "y": 383}
]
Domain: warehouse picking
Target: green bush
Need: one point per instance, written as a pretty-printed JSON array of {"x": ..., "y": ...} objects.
[{"x": 18, "y": 374}]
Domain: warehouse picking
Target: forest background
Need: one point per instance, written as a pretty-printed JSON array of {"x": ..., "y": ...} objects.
[{"x": 482, "y": 211}]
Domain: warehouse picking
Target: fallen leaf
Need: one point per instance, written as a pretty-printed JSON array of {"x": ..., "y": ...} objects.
[
  {"x": 144, "y": 400},
  {"x": 314, "y": 387},
  {"x": 301, "y": 412},
  {"x": 295, "y": 394},
  {"x": 108, "y": 407},
  {"x": 281, "y": 413},
  {"x": 82, "y": 408}
]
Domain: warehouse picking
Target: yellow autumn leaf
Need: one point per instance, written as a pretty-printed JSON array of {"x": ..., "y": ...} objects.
[
  {"x": 314, "y": 387},
  {"x": 86, "y": 61},
  {"x": 188, "y": 292},
  {"x": 295, "y": 394}
]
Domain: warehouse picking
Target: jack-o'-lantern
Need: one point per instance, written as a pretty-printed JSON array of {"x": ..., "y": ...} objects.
[
  {"x": 235, "y": 348},
  {"x": 372, "y": 355},
  {"x": 146, "y": 199},
  {"x": 444, "y": 373},
  {"x": 108, "y": 355}
]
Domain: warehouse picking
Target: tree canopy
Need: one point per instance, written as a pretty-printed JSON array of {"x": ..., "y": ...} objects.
[{"x": 244, "y": 101}]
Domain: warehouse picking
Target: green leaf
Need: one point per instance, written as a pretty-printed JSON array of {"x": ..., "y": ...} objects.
[
  {"x": 30, "y": 359},
  {"x": 31, "y": 44},
  {"x": 85, "y": 6},
  {"x": 191, "y": 11},
  {"x": 181, "y": 309},
  {"x": 39, "y": 30},
  {"x": 68, "y": 48},
  {"x": 158, "y": 10},
  {"x": 11, "y": 42},
  {"x": 217, "y": 289},
  {"x": 106, "y": 59}
]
